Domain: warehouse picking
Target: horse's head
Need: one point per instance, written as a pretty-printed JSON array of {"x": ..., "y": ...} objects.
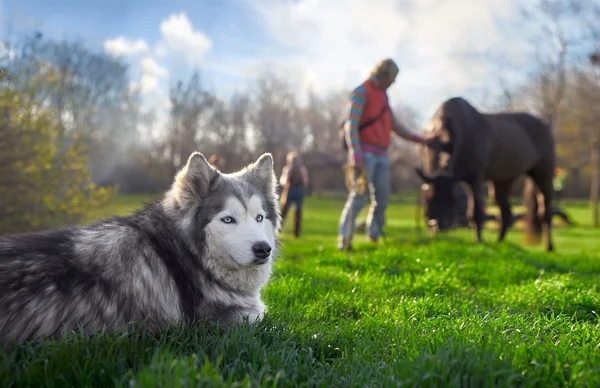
[{"x": 439, "y": 200}]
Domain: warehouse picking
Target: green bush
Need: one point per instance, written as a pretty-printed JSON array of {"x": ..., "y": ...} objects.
[{"x": 44, "y": 178}]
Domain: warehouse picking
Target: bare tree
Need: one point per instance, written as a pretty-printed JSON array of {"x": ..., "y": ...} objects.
[
  {"x": 594, "y": 29},
  {"x": 335, "y": 110},
  {"x": 323, "y": 115},
  {"x": 594, "y": 135},
  {"x": 191, "y": 107},
  {"x": 228, "y": 130},
  {"x": 277, "y": 126},
  {"x": 552, "y": 41},
  {"x": 239, "y": 112},
  {"x": 564, "y": 87},
  {"x": 316, "y": 121}
]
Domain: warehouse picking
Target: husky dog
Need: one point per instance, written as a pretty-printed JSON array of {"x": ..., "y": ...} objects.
[{"x": 201, "y": 253}]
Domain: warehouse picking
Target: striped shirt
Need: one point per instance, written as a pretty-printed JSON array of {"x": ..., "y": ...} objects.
[{"x": 355, "y": 108}]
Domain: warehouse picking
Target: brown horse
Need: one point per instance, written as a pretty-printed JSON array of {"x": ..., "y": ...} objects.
[{"x": 474, "y": 147}]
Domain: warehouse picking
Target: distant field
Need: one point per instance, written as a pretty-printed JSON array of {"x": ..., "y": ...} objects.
[
  {"x": 124, "y": 204},
  {"x": 320, "y": 224},
  {"x": 442, "y": 312}
]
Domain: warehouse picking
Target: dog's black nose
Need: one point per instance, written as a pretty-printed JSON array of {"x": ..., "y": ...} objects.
[{"x": 261, "y": 250}]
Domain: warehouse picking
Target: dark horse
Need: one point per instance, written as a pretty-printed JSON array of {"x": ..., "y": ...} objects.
[{"x": 473, "y": 147}]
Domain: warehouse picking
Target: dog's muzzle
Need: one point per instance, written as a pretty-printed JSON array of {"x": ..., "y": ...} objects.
[{"x": 261, "y": 251}]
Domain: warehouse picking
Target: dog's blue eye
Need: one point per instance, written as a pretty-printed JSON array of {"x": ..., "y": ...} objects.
[
  {"x": 259, "y": 218},
  {"x": 228, "y": 220}
]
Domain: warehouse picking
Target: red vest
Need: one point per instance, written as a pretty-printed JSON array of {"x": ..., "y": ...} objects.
[{"x": 379, "y": 133}]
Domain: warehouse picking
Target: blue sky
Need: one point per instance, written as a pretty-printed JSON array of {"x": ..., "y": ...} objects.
[
  {"x": 443, "y": 47},
  {"x": 230, "y": 25}
]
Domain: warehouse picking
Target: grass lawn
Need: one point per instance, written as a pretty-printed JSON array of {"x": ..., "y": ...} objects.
[{"x": 442, "y": 312}]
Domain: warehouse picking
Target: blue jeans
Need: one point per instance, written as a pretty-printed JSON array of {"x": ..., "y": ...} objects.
[
  {"x": 295, "y": 196},
  {"x": 377, "y": 168}
]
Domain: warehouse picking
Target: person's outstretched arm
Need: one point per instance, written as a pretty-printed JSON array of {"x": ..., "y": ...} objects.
[{"x": 404, "y": 133}]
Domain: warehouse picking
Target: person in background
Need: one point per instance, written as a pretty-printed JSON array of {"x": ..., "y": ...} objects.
[
  {"x": 560, "y": 178},
  {"x": 294, "y": 180},
  {"x": 368, "y": 109},
  {"x": 217, "y": 162}
]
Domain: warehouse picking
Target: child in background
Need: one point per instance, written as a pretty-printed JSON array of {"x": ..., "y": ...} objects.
[{"x": 294, "y": 180}]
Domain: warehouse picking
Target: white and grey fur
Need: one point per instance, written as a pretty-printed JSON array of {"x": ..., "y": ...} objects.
[{"x": 202, "y": 252}]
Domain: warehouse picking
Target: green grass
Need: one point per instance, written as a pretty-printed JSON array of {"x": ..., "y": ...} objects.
[{"x": 442, "y": 312}]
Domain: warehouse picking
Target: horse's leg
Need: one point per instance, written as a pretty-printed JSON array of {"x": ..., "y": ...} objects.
[
  {"x": 544, "y": 182},
  {"x": 477, "y": 188},
  {"x": 502, "y": 191},
  {"x": 557, "y": 211},
  {"x": 548, "y": 194}
]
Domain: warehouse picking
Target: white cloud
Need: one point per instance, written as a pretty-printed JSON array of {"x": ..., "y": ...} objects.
[
  {"x": 166, "y": 104},
  {"x": 148, "y": 83},
  {"x": 121, "y": 46},
  {"x": 180, "y": 37},
  {"x": 150, "y": 67},
  {"x": 179, "y": 41},
  {"x": 338, "y": 40},
  {"x": 151, "y": 72},
  {"x": 442, "y": 47}
]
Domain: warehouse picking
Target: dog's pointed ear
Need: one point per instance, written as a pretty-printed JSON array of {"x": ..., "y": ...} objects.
[
  {"x": 263, "y": 172},
  {"x": 197, "y": 165},
  {"x": 193, "y": 181},
  {"x": 424, "y": 177}
]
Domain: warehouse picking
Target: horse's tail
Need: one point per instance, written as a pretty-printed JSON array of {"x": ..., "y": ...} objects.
[{"x": 532, "y": 219}]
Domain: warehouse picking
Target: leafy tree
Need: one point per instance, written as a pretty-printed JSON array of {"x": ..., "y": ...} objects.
[{"x": 44, "y": 178}]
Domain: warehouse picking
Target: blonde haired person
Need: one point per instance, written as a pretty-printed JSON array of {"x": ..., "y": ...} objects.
[
  {"x": 367, "y": 133},
  {"x": 294, "y": 179}
]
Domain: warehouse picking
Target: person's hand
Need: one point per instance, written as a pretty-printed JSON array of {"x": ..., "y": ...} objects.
[
  {"x": 431, "y": 139},
  {"x": 357, "y": 165}
]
